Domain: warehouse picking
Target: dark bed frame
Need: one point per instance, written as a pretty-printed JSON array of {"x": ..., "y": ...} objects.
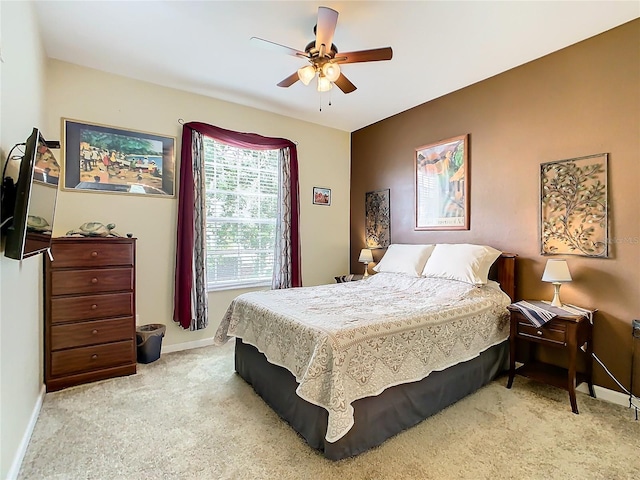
[{"x": 380, "y": 417}]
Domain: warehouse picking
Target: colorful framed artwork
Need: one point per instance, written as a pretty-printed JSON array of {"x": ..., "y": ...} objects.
[
  {"x": 442, "y": 185},
  {"x": 100, "y": 158},
  {"x": 573, "y": 207},
  {"x": 377, "y": 226},
  {"x": 321, "y": 196}
]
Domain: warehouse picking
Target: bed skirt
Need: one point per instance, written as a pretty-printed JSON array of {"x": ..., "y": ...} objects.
[{"x": 376, "y": 418}]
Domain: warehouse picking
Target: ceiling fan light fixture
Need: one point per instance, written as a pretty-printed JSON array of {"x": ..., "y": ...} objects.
[
  {"x": 324, "y": 85},
  {"x": 306, "y": 74},
  {"x": 331, "y": 71}
]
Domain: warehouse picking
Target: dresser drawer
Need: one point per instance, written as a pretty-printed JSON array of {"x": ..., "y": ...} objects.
[
  {"x": 65, "y": 282},
  {"x": 87, "y": 307},
  {"x": 552, "y": 332},
  {"x": 91, "y": 333},
  {"x": 84, "y": 359},
  {"x": 91, "y": 254}
]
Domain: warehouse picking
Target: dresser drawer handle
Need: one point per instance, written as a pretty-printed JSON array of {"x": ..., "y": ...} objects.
[
  {"x": 94, "y": 356},
  {"x": 94, "y": 254},
  {"x": 94, "y": 331},
  {"x": 539, "y": 332},
  {"x": 94, "y": 306},
  {"x": 94, "y": 280}
]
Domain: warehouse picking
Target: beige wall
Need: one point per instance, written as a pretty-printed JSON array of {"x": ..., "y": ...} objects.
[
  {"x": 579, "y": 101},
  {"x": 21, "y": 109},
  {"x": 93, "y": 96}
]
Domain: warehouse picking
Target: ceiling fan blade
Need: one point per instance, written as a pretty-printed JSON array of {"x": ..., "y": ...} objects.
[
  {"x": 290, "y": 80},
  {"x": 276, "y": 47},
  {"x": 373, "y": 55},
  {"x": 326, "y": 27},
  {"x": 344, "y": 84}
]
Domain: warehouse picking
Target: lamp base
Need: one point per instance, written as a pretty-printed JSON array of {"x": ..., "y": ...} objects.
[
  {"x": 366, "y": 270},
  {"x": 556, "y": 295}
]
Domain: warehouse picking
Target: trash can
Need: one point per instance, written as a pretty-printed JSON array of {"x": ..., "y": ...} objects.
[{"x": 149, "y": 338}]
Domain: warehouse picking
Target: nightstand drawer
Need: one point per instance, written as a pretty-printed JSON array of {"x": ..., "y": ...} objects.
[{"x": 552, "y": 332}]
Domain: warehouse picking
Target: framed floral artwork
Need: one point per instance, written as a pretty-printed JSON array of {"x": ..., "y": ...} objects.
[{"x": 573, "y": 207}]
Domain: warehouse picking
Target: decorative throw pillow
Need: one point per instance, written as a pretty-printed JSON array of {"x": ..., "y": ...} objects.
[
  {"x": 462, "y": 261},
  {"x": 401, "y": 258}
]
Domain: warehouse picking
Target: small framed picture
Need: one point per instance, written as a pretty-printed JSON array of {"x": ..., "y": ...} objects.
[{"x": 321, "y": 196}]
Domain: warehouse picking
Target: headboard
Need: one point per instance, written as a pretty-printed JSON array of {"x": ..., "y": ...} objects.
[{"x": 503, "y": 271}]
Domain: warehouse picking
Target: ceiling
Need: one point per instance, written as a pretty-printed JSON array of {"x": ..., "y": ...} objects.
[{"x": 204, "y": 47}]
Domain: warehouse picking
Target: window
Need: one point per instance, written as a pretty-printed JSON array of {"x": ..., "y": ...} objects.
[{"x": 241, "y": 199}]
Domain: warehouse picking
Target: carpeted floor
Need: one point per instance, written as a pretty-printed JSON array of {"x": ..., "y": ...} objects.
[{"x": 189, "y": 416}]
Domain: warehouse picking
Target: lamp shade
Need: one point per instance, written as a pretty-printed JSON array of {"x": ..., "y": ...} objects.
[
  {"x": 306, "y": 74},
  {"x": 324, "y": 85},
  {"x": 366, "y": 256},
  {"x": 556, "y": 271},
  {"x": 331, "y": 71}
]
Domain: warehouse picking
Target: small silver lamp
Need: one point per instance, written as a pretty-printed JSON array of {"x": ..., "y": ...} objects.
[
  {"x": 366, "y": 257},
  {"x": 556, "y": 272}
]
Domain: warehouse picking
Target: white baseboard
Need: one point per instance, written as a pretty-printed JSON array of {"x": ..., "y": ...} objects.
[
  {"x": 605, "y": 394},
  {"x": 177, "y": 347},
  {"x": 26, "y": 437}
]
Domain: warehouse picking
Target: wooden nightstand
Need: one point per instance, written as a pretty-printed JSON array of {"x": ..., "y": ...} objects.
[
  {"x": 567, "y": 332},
  {"x": 348, "y": 278}
]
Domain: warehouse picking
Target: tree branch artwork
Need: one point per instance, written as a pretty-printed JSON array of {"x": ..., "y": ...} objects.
[
  {"x": 377, "y": 219},
  {"x": 574, "y": 207}
]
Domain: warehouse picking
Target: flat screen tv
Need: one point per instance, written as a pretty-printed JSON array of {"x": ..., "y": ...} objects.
[{"x": 28, "y": 224}]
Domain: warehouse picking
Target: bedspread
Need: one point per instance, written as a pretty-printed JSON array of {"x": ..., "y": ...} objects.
[{"x": 351, "y": 340}]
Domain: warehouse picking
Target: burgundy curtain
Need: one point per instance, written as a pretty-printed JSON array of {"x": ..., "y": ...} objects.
[{"x": 183, "y": 313}]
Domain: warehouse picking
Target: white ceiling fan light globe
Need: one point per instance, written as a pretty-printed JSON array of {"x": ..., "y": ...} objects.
[
  {"x": 324, "y": 85},
  {"x": 306, "y": 74},
  {"x": 331, "y": 71}
]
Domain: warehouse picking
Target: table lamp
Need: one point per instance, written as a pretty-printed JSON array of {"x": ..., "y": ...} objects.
[
  {"x": 366, "y": 257},
  {"x": 556, "y": 272}
]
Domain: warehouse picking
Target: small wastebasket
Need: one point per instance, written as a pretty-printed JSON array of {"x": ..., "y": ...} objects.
[{"x": 149, "y": 338}]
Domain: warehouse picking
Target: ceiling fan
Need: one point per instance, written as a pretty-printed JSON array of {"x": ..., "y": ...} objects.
[{"x": 322, "y": 54}]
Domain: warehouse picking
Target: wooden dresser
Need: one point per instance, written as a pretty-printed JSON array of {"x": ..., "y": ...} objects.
[{"x": 90, "y": 328}]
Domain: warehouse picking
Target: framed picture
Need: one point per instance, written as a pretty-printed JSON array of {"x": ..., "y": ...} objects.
[
  {"x": 99, "y": 158},
  {"x": 573, "y": 207},
  {"x": 377, "y": 219},
  {"x": 442, "y": 185},
  {"x": 321, "y": 196}
]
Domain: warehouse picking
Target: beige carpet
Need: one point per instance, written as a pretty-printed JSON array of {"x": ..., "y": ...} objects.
[{"x": 189, "y": 416}]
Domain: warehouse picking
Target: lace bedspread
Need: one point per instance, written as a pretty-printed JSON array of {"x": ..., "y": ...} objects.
[{"x": 352, "y": 340}]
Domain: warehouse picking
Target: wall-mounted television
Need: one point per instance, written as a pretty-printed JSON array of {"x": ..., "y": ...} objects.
[{"x": 29, "y": 191}]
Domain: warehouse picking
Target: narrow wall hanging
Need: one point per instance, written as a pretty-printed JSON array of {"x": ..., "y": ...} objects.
[{"x": 377, "y": 219}]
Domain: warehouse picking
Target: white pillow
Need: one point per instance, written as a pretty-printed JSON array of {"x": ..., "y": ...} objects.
[
  {"x": 462, "y": 261},
  {"x": 409, "y": 259}
]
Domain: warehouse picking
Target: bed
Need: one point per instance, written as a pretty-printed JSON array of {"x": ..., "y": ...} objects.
[{"x": 349, "y": 365}]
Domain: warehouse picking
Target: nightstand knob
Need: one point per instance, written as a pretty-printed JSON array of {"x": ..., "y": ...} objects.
[
  {"x": 539, "y": 332},
  {"x": 94, "y": 306},
  {"x": 94, "y": 280},
  {"x": 94, "y": 331},
  {"x": 94, "y": 357},
  {"x": 94, "y": 254}
]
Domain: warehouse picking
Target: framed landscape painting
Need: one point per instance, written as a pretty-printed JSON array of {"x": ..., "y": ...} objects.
[
  {"x": 442, "y": 185},
  {"x": 100, "y": 158}
]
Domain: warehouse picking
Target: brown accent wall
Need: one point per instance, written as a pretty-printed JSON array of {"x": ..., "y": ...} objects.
[{"x": 582, "y": 100}]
